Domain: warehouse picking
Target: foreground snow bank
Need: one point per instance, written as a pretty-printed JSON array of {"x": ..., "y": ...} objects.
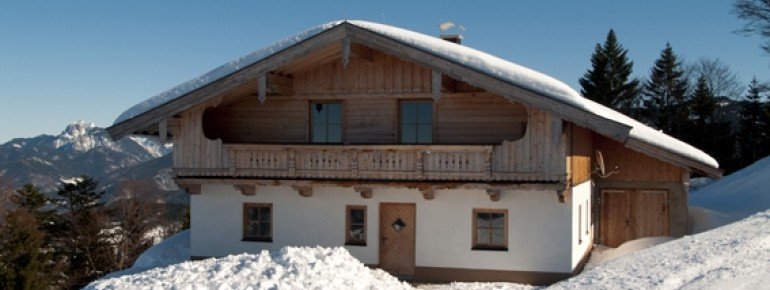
[
  {"x": 290, "y": 268},
  {"x": 602, "y": 254},
  {"x": 736, "y": 256}
]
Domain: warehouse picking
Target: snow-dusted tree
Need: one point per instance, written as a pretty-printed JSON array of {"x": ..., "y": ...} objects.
[
  {"x": 609, "y": 81},
  {"x": 665, "y": 93}
]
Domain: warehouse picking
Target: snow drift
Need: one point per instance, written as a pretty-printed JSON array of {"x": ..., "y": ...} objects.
[
  {"x": 735, "y": 256},
  {"x": 290, "y": 268},
  {"x": 738, "y": 195}
]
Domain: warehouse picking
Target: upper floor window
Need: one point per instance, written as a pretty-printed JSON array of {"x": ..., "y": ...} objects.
[
  {"x": 416, "y": 122},
  {"x": 326, "y": 122}
]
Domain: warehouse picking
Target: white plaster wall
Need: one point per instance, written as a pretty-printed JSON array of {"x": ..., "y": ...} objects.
[
  {"x": 539, "y": 225},
  {"x": 581, "y": 198}
]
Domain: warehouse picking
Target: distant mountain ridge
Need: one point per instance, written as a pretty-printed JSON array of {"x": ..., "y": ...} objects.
[{"x": 85, "y": 149}]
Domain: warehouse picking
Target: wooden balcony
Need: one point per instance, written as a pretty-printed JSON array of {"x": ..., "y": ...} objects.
[{"x": 469, "y": 163}]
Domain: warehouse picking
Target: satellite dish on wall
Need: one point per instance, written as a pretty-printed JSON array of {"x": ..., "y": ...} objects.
[{"x": 600, "y": 169}]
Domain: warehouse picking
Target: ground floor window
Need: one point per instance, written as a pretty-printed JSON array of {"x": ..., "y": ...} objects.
[
  {"x": 258, "y": 222},
  {"x": 490, "y": 229},
  {"x": 355, "y": 225}
]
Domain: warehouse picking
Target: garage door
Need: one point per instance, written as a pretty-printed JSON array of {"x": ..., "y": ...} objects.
[{"x": 629, "y": 214}]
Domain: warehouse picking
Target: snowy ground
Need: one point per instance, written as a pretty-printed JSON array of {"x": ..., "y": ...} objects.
[
  {"x": 737, "y": 195},
  {"x": 290, "y": 268},
  {"x": 736, "y": 256},
  {"x": 602, "y": 254}
]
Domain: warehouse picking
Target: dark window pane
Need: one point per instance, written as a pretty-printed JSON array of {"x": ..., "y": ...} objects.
[
  {"x": 482, "y": 220},
  {"x": 357, "y": 232},
  {"x": 425, "y": 134},
  {"x": 498, "y": 237},
  {"x": 425, "y": 113},
  {"x": 264, "y": 229},
  {"x": 482, "y": 236},
  {"x": 334, "y": 134},
  {"x": 252, "y": 213},
  {"x": 408, "y": 113},
  {"x": 319, "y": 133},
  {"x": 252, "y": 229},
  {"x": 356, "y": 216},
  {"x": 335, "y": 113},
  {"x": 408, "y": 134},
  {"x": 264, "y": 214},
  {"x": 498, "y": 220}
]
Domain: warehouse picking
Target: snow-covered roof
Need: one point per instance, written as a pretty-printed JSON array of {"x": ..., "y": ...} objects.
[{"x": 491, "y": 65}]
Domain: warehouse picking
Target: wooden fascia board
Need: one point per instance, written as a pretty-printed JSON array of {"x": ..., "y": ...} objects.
[
  {"x": 607, "y": 127},
  {"x": 673, "y": 158},
  {"x": 223, "y": 84}
]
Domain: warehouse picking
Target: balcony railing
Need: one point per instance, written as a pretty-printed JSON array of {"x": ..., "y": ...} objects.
[{"x": 365, "y": 162}]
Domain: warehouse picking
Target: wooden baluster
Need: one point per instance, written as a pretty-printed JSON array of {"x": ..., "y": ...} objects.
[
  {"x": 353, "y": 159},
  {"x": 488, "y": 157},
  {"x": 232, "y": 155},
  {"x": 292, "y": 163},
  {"x": 419, "y": 165}
]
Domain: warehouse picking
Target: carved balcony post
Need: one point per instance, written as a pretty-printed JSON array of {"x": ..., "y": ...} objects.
[{"x": 420, "y": 163}]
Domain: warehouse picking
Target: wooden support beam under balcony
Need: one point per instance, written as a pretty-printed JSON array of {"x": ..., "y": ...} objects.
[
  {"x": 304, "y": 190},
  {"x": 190, "y": 188},
  {"x": 365, "y": 192},
  {"x": 428, "y": 193},
  {"x": 494, "y": 194},
  {"x": 246, "y": 189}
]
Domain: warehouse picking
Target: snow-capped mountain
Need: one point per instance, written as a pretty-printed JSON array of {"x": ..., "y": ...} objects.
[{"x": 85, "y": 149}]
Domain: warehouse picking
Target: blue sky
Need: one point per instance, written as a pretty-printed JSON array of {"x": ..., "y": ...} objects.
[{"x": 63, "y": 61}]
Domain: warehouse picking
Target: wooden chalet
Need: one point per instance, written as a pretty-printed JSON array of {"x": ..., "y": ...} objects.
[{"x": 425, "y": 158}]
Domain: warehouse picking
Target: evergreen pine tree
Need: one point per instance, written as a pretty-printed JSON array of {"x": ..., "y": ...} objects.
[
  {"x": 608, "y": 80},
  {"x": 85, "y": 240},
  {"x": 666, "y": 94},
  {"x": 23, "y": 265},
  {"x": 753, "y": 136}
]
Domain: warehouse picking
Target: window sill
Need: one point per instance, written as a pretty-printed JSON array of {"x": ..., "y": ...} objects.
[
  {"x": 356, "y": 244},
  {"x": 260, "y": 240},
  {"x": 494, "y": 249}
]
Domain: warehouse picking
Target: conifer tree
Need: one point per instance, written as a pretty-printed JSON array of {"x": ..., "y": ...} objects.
[
  {"x": 753, "y": 137},
  {"x": 666, "y": 94},
  {"x": 85, "y": 238},
  {"x": 703, "y": 104},
  {"x": 608, "y": 80},
  {"x": 23, "y": 265}
]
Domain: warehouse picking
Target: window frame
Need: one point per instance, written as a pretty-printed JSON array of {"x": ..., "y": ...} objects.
[
  {"x": 348, "y": 223},
  {"x": 310, "y": 108},
  {"x": 400, "y": 135},
  {"x": 246, "y": 237},
  {"x": 474, "y": 228}
]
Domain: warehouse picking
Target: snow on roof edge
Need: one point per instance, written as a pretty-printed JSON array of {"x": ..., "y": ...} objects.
[
  {"x": 491, "y": 65},
  {"x": 220, "y": 72}
]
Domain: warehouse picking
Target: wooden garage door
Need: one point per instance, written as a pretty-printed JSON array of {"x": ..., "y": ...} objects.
[
  {"x": 629, "y": 214},
  {"x": 397, "y": 236}
]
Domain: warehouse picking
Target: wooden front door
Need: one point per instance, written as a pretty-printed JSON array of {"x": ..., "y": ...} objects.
[
  {"x": 397, "y": 234},
  {"x": 629, "y": 214}
]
